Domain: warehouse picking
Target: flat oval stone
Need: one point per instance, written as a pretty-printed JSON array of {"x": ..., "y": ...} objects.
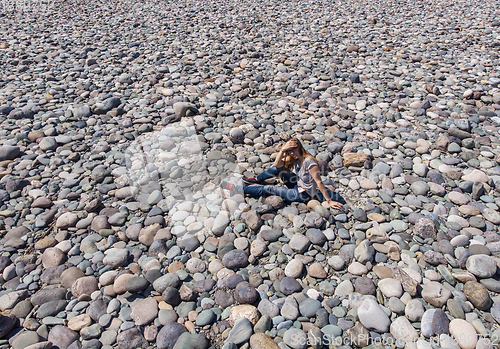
[
  {"x": 481, "y": 265},
  {"x": 458, "y": 198},
  {"x": 491, "y": 215},
  {"x": 136, "y": 284},
  {"x": 464, "y": 333},
  {"x": 478, "y": 295}
]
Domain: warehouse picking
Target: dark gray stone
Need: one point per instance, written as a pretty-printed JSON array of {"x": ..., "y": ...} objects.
[
  {"x": 289, "y": 285},
  {"x": 168, "y": 335},
  {"x": 235, "y": 259}
]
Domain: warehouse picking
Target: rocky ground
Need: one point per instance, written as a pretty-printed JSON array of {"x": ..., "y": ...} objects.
[{"x": 119, "y": 120}]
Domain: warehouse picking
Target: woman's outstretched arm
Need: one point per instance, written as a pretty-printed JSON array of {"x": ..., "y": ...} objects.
[{"x": 314, "y": 171}]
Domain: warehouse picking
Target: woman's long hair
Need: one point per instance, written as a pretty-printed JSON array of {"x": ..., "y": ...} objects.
[{"x": 290, "y": 161}]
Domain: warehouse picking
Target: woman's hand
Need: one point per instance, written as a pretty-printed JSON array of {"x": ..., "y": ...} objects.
[
  {"x": 335, "y": 204},
  {"x": 289, "y": 145}
]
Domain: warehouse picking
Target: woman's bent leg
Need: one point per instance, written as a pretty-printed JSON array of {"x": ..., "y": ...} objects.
[
  {"x": 289, "y": 195},
  {"x": 269, "y": 173},
  {"x": 289, "y": 178}
]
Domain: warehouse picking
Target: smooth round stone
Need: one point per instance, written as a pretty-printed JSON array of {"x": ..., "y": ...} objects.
[
  {"x": 344, "y": 288},
  {"x": 365, "y": 286},
  {"x": 332, "y": 331},
  {"x": 403, "y": 330},
  {"x": 454, "y": 148},
  {"x": 316, "y": 236},
  {"x": 469, "y": 210},
  {"x": 396, "y": 305},
  {"x": 235, "y": 259},
  {"x": 414, "y": 310},
  {"x": 116, "y": 257},
  {"x": 155, "y": 197},
  {"x": 220, "y": 223},
  {"x": 359, "y": 214},
  {"x": 289, "y": 285},
  {"x": 435, "y": 294},
  {"x": 460, "y": 240},
  {"x": 205, "y": 317},
  {"x": 478, "y": 295},
  {"x": 487, "y": 199},
  {"x": 357, "y": 268},
  {"x": 117, "y": 219},
  {"x": 481, "y": 265},
  {"x": 167, "y": 280},
  {"x": 478, "y": 249},
  {"x": 458, "y": 198},
  {"x": 399, "y": 225},
  {"x": 317, "y": 271},
  {"x": 268, "y": 308},
  {"x": 462, "y": 222},
  {"x": 344, "y": 234},
  {"x": 309, "y": 307},
  {"x": 136, "y": 284},
  {"x": 166, "y": 316},
  {"x": 271, "y": 234},
  {"x": 364, "y": 252},
  {"x": 108, "y": 337},
  {"x": 420, "y": 169},
  {"x": 299, "y": 243},
  {"x": 390, "y": 287},
  {"x": 289, "y": 310},
  {"x": 464, "y": 333},
  {"x": 168, "y": 335},
  {"x": 336, "y": 262},
  {"x": 455, "y": 309},
  {"x": 178, "y": 230},
  {"x": 180, "y": 215},
  {"x": 477, "y": 222},
  {"x": 491, "y": 215},
  {"x": 295, "y": 338},
  {"x": 294, "y": 268},
  {"x": 195, "y": 265},
  {"x": 373, "y": 317},
  {"x": 434, "y": 322},
  {"x": 476, "y": 176},
  {"x": 491, "y": 284},
  {"x": 420, "y": 188},
  {"x": 245, "y": 293}
]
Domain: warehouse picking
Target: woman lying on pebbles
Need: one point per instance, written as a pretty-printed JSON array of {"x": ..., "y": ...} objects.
[{"x": 303, "y": 185}]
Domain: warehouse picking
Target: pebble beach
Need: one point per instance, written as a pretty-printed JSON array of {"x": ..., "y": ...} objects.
[{"x": 120, "y": 119}]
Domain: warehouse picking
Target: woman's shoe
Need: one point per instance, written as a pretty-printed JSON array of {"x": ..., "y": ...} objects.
[
  {"x": 251, "y": 180},
  {"x": 225, "y": 184}
]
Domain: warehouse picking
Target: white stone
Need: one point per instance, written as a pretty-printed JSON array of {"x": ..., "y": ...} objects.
[
  {"x": 390, "y": 287},
  {"x": 402, "y": 330},
  {"x": 294, "y": 268},
  {"x": 373, "y": 317}
]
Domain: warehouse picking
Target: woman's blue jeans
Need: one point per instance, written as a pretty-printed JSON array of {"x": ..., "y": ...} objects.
[{"x": 291, "y": 192}]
